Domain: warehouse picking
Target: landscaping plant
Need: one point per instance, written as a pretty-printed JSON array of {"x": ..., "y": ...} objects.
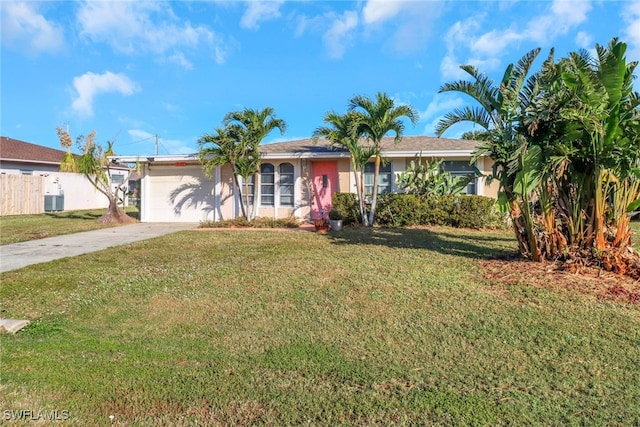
[
  {"x": 96, "y": 167},
  {"x": 566, "y": 147}
]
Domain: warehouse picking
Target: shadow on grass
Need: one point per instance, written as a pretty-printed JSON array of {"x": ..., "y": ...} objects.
[
  {"x": 465, "y": 243},
  {"x": 75, "y": 215},
  {"x": 92, "y": 215}
]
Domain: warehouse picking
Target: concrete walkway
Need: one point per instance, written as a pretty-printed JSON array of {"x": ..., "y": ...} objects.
[{"x": 23, "y": 254}]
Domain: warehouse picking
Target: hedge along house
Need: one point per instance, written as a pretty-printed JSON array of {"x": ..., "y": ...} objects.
[{"x": 297, "y": 178}]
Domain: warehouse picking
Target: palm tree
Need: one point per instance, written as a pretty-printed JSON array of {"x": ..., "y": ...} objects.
[
  {"x": 376, "y": 118},
  {"x": 498, "y": 114},
  {"x": 343, "y": 132},
  {"x": 221, "y": 148},
  {"x": 250, "y": 127}
]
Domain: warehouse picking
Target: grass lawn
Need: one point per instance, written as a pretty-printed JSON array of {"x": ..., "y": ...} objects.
[
  {"x": 287, "y": 328},
  {"x": 20, "y": 228}
]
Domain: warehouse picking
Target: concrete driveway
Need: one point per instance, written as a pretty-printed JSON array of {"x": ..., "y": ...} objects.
[{"x": 23, "y": 254}]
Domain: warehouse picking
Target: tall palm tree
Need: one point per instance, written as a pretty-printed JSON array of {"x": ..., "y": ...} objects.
[
  {"x": 344, "y": 132},
  {"x": 250, "y": 127},
  {"x": 375, "y": 119}
]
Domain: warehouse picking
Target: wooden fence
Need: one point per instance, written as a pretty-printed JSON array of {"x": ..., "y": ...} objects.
[{"x": 21, "y": 194}]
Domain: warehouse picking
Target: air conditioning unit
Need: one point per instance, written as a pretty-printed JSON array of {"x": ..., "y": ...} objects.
[{"x": 53, "y": 203}]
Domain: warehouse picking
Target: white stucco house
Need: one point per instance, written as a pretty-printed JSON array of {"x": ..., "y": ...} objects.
[{"x": 297, "y": 178}]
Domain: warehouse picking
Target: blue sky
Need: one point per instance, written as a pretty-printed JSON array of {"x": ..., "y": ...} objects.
[{"x": 133, "y": 70}]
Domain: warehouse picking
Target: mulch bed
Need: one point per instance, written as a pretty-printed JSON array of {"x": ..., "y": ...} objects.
[{"x": 583, "y": 279}]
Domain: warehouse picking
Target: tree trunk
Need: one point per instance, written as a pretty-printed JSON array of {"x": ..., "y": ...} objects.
[
  {"x": 374, "y": 196},
  {"x": 115, "y": 215},
  {"x": 239, "y": 188},
  {"x": 600, "y": 203},
  {"x": 360, "y": 194}
]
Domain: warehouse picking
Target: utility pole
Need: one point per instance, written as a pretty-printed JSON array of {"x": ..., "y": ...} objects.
[{"x": 156, "y": 144}]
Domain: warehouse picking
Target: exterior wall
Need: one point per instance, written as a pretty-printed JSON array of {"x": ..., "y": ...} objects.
[
  {"x": 489, "y": 190},
  {"x": 78, "y": 192},
  {"x": 225, "y": 191},
  {"x": 345, "y": 176},
  {"x": 19, "y": 167},
  {"x": 173, "y": 193}
]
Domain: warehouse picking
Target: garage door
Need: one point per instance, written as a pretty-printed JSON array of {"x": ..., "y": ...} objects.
[{"x": 180, "y": 194}]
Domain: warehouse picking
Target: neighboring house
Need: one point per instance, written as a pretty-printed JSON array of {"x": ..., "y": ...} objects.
[
  {"x": 297, "y": 178},
  {"x": 58, "y": 190}
]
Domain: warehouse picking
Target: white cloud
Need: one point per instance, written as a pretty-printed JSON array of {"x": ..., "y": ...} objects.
[
  {"x": 24, "y": 28},
  {"x": 140, "y": 135},
  {"x": 631, "y": 16},
  {"x": 486, "y": 49},
  {"x": 564, "y": 16},
  {"x": 441, "y": 104},
  {"x": 376, "y": 11},
  {"x": 144, "y": 27},
  {"x": 89, "y": 85},
  {"x": 584, "y": 40},
  {"x": 259, "y": 11},
  {"x": 339, "y": 34},
  {"x": 450, "y": 68},
  {"x": 494, "y": 42},
  {"x": 410, "y": 23}
]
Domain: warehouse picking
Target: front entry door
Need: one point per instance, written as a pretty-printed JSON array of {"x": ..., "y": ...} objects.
[{"x": 324, "y": 183}]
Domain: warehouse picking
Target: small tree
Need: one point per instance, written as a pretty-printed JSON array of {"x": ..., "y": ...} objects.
[{"x": 95, "y": 166}]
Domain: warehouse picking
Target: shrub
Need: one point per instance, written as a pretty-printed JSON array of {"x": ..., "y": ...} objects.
[
  {"x": 347, "y": 204},
  {"x": 335, "y": 214},
  {"x": 400, "y": 210}
]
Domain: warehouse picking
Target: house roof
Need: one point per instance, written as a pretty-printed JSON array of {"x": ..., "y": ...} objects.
[
  {"x": 20, "y": 151},
  {"x": 408, "y": 146}
]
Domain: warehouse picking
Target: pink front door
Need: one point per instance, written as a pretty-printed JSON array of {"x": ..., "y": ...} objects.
[{"x": 324, "y": 184}]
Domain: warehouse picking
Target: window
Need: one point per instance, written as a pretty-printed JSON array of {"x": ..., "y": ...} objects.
[
  {"x": 250, "y": 185},
  {"x": 286, "y": 184},
  {"x": 267, "y": 187},
  {"x": 25, "y": 172},
  {"x": 384, "y": 180},
  {"x": 117, "y": 179},
  {"x": 463, "y": 169}
]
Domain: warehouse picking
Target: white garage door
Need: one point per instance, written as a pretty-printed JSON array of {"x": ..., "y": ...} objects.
[{"x": 179, "y": 194}]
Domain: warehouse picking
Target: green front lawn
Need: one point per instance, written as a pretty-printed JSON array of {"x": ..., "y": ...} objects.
[
  {"x": 20, "y": 228},
  {"x": 287, "y": 328}
]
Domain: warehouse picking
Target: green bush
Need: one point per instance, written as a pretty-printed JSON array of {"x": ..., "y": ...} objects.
[
  {"x": 400, "y": 210},
  {"x": 347, "y": 204}
]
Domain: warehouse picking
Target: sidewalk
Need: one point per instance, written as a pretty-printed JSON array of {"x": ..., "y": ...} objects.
[{"x": 23, "y": 254}]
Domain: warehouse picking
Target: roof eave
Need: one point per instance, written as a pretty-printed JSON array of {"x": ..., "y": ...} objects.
[{"x": 39, "y": 162}]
